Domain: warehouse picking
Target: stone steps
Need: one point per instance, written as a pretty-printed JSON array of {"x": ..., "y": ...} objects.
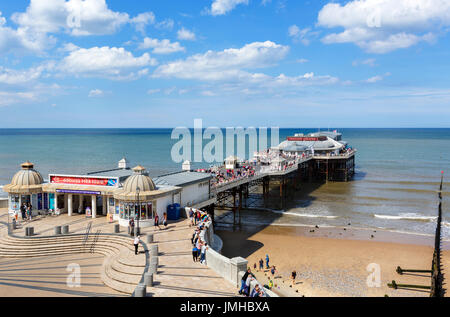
[{"x": 121, "y": 270}]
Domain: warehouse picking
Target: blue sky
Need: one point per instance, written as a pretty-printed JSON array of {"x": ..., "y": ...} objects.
[{"x": 286, "y": 63}]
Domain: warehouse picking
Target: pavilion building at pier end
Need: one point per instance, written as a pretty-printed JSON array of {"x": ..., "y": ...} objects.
[{"x": 121, "y": 193}]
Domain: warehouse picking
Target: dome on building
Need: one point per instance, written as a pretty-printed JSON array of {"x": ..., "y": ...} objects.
[
  {"x": 27, "y": 180},
  {"x": 139, "y": 179},
  {"x": 27, "y": 176}
]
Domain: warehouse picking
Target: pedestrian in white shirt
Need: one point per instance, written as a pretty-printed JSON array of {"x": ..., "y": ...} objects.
[{"x": 136, "y": 244}]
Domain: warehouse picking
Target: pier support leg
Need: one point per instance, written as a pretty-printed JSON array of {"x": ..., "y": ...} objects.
[
  {"x": 69, "y": 205},
  {"x": 94, "y": 206},
  {"x": 240, "y": 204}
]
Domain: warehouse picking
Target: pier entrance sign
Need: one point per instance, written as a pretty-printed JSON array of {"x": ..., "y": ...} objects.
[{"x": 75, "y": 180}]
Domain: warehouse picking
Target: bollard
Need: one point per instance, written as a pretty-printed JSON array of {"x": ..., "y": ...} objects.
[
  {"x": 30, "y": 231},
  {"x": 14, "y": 224},
  {"x": 153, "y": 268},
  {"x": 149, "y": 238},
  {"x": 57, "y": 230},
  {"x": 27, "y": 232},
  {"x": 148, "y": 279},
  {"x": 117, "y": 228},
  {"x": 140, "y": 291},
  {"x": 154, "y": 250},
  {"x": 137, "y": 231},
  {"x": 65, "y": 229},
  {"x": 154, "y": 259}
]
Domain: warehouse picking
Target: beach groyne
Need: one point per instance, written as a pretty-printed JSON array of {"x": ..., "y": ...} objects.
[{"x": 231, "y": 269}]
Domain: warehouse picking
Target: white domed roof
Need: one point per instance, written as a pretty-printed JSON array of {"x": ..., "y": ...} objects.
[
  {"x": 27, "y": 176},
  {"x": 139, "y": 179}
]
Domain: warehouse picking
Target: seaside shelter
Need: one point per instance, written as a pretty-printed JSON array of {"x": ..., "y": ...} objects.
[
  {"x": 26, "y": 187},
  {"x": 139, "y": 198}
]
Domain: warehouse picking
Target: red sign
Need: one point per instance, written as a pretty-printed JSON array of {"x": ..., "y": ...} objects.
[
  {"x": 296, "y": 138},
  {"x": 71, "y": 180}
]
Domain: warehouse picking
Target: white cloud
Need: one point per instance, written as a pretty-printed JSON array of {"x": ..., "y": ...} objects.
[
  {"x": 161, "y": 46},
  {"x": 142, "y": 20},
  {"x": 225, "y": 64},
  {"x": 96, "y": 93},
  {"x": 221, "y": 7},
  {"x": 78, "y": 17},
  {"x": 377, "y": 78},
  {"x": 108, "y": 62},
  {"x": 230, "y": 70},
  {"x": 14, "y": 77},
  {"x": 165, "y": 24},
  {"x": 299, "y": 35},
  {"x": 302, "y": 60},
  {"x": 369, "y": 62},
  {"x": 184, "y": 34},
  {"x": 153, "y": 91},
  {"x": 381, "y": 26}
]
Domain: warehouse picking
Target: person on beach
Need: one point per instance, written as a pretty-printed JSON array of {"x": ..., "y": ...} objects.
[
  {"x": 267, "y": 262},
  {"x": 273, "y": 270},
  {"x": 157, "y": 221},
  {"x": 136, "y": 244},
  {"x": 261, "y": 264},
  {"x": 270, "y": 283},
  {"x": 293, "y": 276}
]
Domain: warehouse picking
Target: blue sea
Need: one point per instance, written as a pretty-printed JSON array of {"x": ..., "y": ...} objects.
[{"x": 395, "y": 186}]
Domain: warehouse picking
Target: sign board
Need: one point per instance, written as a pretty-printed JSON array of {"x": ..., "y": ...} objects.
[
  {"x": 80, "y": 192},
  {"x": 300, "y": 139},
  {"x": 82, "y": 180}
]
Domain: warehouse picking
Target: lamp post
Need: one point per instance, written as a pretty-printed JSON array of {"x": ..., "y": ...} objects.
[{"x": 136, "y": 233}]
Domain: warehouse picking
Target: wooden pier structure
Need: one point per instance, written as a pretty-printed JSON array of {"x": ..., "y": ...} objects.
[{"x": 283, "y": 183}]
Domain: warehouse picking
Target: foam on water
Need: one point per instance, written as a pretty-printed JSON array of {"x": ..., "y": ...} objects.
[{"x": 407, "y": 216}]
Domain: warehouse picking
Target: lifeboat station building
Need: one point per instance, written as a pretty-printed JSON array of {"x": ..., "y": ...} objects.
[{"x": 120, "y": 194}]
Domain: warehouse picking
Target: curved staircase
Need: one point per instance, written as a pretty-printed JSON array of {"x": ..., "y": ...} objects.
[{"x": 122, "y": 270}]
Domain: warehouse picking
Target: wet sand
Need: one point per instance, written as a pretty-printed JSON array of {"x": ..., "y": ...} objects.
[{"x": 333, "y": 261}]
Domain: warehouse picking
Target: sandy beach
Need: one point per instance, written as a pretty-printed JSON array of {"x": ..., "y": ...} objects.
[{"x": 333, "y": 261}]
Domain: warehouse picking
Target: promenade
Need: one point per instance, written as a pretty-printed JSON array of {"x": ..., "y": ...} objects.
[{"x": 177, "y": 274}]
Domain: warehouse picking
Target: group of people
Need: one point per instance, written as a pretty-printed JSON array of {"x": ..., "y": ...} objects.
[
  {"x": 199, "y": 245},
  {"x": 27, "y": 211},
  {"x": 273, "y": 271},
  {"x": 222, "y": 176},
  {"x": 246, "y": 282}
]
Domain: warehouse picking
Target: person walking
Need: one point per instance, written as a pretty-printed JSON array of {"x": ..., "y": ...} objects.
[
  {"x": 165, "y": 220},
  {"x": 157, "y": 221},
  {"x": 261, "y": 264},
  {"x": 23, "y": 210},
  {"x": 267, "y": 262},
  {"x": 131, "y": 224},
  {"x": 293, "y": 276},
  {"x": 203, "y": 253},
  {"x": 195, "y": 253},
  {"x": 136, "y": 244},
  {"x": 191, "y": 217}
]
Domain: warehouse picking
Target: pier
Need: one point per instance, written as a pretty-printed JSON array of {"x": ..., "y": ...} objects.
[{"x": 270, "y": 177}]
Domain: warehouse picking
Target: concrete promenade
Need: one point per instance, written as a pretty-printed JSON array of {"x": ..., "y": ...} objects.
[{"x": 177, "y": 274}]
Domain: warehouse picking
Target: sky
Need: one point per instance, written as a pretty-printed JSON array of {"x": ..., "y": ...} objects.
[{"x": 261, "y": 63}]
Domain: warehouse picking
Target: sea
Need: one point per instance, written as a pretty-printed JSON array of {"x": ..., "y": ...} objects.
[{"x": 395, "y": 187}]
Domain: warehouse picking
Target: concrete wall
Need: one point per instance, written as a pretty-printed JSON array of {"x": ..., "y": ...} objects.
[
  {"x": 193, "y": 194},
  {"x": 161, "y": 206}
]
